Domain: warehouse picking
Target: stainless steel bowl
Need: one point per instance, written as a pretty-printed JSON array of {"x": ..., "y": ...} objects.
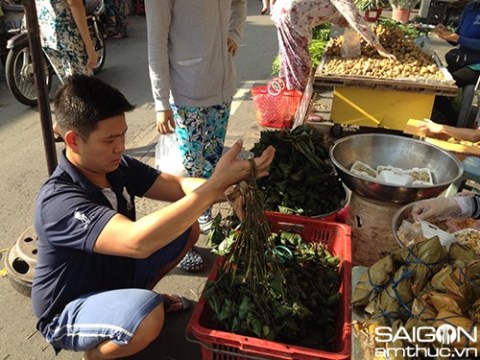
[{"x": 398, "y": 151}]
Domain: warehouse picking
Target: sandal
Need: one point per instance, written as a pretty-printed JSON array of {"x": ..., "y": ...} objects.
[
  {"x": 192, "y": 261},
  {"x": 174, "y": 303}
]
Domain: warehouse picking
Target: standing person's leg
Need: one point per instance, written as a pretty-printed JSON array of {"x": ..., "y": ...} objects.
[
  {"x": 190, "y": 130},
  {"x": 110, "y": 14},
  {"x": 120, "y": 19},
  {"x": 295, "y": 61},
  {"x": 465, "y": 76},
  {"x": 216, "y": 122},
  {"x": 265, "y": 6},
  {"x": 67, "y": 63},
  {"x": 215, "y": 130}
]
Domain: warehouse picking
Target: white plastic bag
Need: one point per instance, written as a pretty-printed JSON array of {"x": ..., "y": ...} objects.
[
  {"x": 168, "y": 157},
  {"x": 351, "y": 44}
]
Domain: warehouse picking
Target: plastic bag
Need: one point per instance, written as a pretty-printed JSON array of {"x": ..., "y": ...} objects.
[
  {"x": 168, "y": 157},
  {"x": 351, "y": 44}
]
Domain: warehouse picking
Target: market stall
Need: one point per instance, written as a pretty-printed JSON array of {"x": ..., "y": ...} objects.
[
  {"x": 421, "y": 300},
  {"x": 384, "y": 172},
  {"x": 374, "y": 92}
]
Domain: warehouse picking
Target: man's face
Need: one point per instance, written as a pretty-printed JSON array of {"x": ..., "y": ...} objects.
[{"x": 102, "y": 151}]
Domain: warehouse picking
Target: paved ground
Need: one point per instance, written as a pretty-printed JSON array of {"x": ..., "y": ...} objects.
[{"x": 23, "y": 170}]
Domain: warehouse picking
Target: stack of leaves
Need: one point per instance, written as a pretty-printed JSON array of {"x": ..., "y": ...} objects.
[
  {"x": 302, "y": 179},
  {"x": 273, "y": 286},
  {"x": 422, "y": 285}
]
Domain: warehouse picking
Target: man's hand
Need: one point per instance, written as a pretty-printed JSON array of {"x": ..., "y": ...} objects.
[
  {"x": 165, "y": 122},
  {"x": 232, "y": 46},
  {"x": 230, "y": 170}
]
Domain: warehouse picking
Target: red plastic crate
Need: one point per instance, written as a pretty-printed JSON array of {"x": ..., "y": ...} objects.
[{"x": 218, "y": 344}]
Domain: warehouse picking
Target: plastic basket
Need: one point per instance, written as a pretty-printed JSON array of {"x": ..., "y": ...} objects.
[
  {"x": 218, "y": 344},
  {"x": 275, "y": 111}
]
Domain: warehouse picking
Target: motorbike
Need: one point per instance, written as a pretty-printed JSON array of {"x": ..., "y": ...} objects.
[{"x": 19, "y": 68}]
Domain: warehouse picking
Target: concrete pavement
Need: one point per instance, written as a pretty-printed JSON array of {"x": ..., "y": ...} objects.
[{"x": 24, "y": 170}]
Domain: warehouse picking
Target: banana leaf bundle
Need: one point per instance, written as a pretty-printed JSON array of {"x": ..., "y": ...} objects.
[
  {"x": 395, "y": 301},
  {"x": 424, "y": 259},
  {"x": 461, "y": 252},
  {"x": 461, "y": 279},
  {"x": 458, "y": 321},
  {"x": 447, "y": 302},
  {"x": 365, "y": 333},
  {"x": 373, "y": 280},
  {"x": 430, "y": 288},
  {"x": 302, "y": 178},
  {"x": 475, "y": 311},
  {"x": 274, "y": 286}
]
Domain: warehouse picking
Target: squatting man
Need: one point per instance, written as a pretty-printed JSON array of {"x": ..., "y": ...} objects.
[{"x": 97, "y": 264}]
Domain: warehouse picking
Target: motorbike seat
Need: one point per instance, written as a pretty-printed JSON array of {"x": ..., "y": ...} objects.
[{"x": 93, "y": 6}]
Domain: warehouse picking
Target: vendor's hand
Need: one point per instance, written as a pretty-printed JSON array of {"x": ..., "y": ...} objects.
[
  {"x": 449, "y": 36},
  {"x": 165, "y": 122},
  {"x": 442, "y": 208},
  {"x": 232, "y": 46},
  {"x": 439, "y": 28},
  {"x": 231, "y": 170},
  {"x": 381, "y": 50},
  {"x": 428, "y": 126}
]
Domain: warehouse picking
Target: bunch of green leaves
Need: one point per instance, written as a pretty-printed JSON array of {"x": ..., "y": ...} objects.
[
  {"x": 404, "y": 4},
  {"x": 316, "y": 47},
  {"x": 364, "y": 5},
  {"x": 408, "y": 29},
  {"x": 302, "y": 179},
  {"x": 296, "y": 301}
]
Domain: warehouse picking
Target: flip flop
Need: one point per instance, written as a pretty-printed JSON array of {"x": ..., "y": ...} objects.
[{"x": 174, "y": 303}]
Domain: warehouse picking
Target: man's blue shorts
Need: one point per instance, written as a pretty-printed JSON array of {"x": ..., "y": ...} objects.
[{"x": 112, "y": 315}]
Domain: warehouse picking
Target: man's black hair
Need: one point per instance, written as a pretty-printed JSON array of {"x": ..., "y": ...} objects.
[{"x": 82, "y": 101}]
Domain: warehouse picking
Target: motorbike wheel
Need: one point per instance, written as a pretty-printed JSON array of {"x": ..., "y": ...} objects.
[
  {"x": 100, "y": 47},
  {"x": 20, "y": 76}
]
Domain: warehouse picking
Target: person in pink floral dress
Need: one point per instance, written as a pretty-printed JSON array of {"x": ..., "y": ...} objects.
[{"x": 295, "y": 20}]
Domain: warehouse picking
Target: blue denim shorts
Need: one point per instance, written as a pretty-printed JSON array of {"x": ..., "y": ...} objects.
[{"x": 112, "y": 315}]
